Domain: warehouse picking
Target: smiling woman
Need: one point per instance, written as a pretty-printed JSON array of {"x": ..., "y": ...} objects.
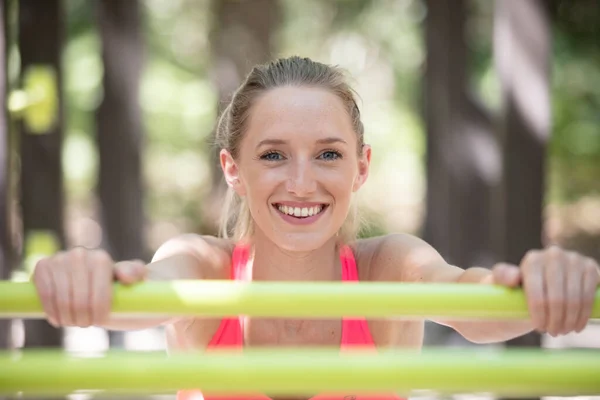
[
  {"x": 286, "y": 113},
  {"x": 300, "y": 150},
  {"x": 293, "y": 154}
]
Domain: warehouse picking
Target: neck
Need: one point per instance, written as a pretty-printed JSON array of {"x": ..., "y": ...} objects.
[{"x": 272, "y": 263}]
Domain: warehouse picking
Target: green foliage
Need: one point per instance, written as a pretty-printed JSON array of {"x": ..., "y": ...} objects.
[
  {"x": 37, "y": 102},
  {"x": 37, "y": 245},
  {"x": 574, "y": 148},
  {"x": 379, "y": 42}
]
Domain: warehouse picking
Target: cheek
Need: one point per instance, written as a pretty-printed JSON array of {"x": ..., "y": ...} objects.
[
  {"x": 339, "y": 183},
  {"x": 260, "y": 184}
]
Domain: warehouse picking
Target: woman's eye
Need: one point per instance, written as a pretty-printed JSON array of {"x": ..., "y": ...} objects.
[
  {"x": 271, "y": 156},
  {"x": 330, "y": 155}
]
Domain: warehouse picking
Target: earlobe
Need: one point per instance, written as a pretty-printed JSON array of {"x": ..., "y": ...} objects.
[{"x": 231, "y": 172}]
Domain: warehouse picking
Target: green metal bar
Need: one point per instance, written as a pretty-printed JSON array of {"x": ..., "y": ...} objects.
[
  {"x": 279, "y": 372},
  {"x": 314, "y": 299}
]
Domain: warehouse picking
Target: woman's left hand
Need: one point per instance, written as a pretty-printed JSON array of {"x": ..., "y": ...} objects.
[{"x": 560, "y": 287}]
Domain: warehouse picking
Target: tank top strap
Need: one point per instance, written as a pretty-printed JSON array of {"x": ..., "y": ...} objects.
[
  {"x": 349, "y": 268},
  {"x": 355, "y": 331},
  {"x": 230, "y": 331},
  {"x": 239, "y": 261}
]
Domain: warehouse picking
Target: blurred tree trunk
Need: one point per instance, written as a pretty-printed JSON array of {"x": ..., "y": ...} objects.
[
  {"x": 120, "y": 134},
  {"x": 6, "y": 249},
  {"x": 463, "y": 160},
  {"x": 40, "y": 42},
  {"x": 462, "y": 154},
  {"x": 241, "y": 38},
  {"x": 522, "y": 54},
  {"x": 119, "y": 130}
]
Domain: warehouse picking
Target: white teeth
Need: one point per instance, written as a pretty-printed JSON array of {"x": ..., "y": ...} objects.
[{"x": 300, "y": 212}]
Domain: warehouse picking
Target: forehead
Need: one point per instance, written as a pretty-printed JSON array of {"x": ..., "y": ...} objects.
[{"x": 298, "y": 112}]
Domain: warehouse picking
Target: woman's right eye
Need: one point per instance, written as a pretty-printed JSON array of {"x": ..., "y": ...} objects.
[{"x": 271, "y": 156}]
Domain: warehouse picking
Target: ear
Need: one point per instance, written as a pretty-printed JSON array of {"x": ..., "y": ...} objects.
[
  {"x": 231, "y": 172},
  {"x": 364, "y": 162}
]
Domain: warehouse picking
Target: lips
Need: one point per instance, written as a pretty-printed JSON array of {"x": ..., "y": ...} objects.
[
  {"x": 300, "y": 210},
  {"x": 297, "y": 213}
]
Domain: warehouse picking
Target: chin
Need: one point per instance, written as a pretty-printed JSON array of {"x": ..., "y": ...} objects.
[{"x": 301, "y": 242}]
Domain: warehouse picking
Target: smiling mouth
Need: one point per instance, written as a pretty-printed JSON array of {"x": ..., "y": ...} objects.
[{"x": 301, "y": 212}]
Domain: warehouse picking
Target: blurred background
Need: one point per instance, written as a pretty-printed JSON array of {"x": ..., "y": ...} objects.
[{"x": 484, "y": 117}]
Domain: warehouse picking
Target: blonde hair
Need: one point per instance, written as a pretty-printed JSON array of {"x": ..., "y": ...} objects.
[{"x": 236, "y": 220}]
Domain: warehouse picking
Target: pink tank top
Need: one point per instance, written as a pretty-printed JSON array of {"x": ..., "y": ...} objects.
[{"x": 230, "y": 334}]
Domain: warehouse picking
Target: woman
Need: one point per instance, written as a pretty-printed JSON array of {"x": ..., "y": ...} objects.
[{"x": 293, "y": 153}]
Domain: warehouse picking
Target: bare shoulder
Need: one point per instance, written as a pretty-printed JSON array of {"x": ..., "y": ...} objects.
[
  {"x": 394, "y": 257},
  {"x": 192, "y": 256},
  {"x": 211, "y": 254}
]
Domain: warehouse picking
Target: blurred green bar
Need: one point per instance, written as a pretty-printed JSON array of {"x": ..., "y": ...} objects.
[
  {"x": 282, "y": 372},
  {"x": 296, "y": 299}
]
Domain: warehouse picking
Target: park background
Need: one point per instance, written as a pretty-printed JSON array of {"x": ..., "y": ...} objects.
[{"x": 484, "y": 118}]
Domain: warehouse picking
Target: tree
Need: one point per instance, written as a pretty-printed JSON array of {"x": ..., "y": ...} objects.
[
  {"x": 40, "y": 43},
  {"x": 461, "y": 148},
  {"x": 120, "y": 134},
  {"x": 522, "y": 54},
  {"x": 119, "y": 130},
  {"x": 5, "y": 242}
]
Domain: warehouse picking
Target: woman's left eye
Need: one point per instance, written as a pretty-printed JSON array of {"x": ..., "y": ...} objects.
[{"x": 330, "y": 155}]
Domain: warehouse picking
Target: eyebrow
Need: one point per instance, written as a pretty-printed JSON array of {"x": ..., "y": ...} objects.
[{"x": 327, "y": 140}]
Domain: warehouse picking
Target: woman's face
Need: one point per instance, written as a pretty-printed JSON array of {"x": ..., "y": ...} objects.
[{"x": 297, "y": 167}]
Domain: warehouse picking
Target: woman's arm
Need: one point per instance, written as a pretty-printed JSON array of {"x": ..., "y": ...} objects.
[
  {"x": 184, "y": 257},
  {"x": 554, "y": 307}
]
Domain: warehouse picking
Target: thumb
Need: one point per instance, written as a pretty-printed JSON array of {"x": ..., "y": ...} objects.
[
  {"x": 128, "y": 272},
  {"x": 506, "y": 275}
]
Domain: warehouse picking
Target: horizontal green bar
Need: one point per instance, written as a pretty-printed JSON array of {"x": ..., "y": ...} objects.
[
  {"x": 279, "y": 372},
  {"x": 296, "y": 299}
]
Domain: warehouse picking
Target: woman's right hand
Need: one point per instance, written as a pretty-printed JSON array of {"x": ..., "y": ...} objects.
[{"x": 75, "y": 287}]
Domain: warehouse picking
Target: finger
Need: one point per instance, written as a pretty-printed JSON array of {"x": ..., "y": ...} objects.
[
  {"x": 590, "y": 285},
  {"x": 45, "y": 288},
  {"x": 574, "y": 294},
  {"x": 507, "y": 275},
  {"x": 62, "y": 291},
  {"x": 554, "y": 274},
  {"x": 128, "y": 272},
  {"x": 101, "y": 270},
  {"x": 534, "y": 284},
  {"x": 141, "y": 269},
  {"x": 80, "y": 287}
]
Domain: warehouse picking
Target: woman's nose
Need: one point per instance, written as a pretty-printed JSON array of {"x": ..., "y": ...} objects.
[{"x": 301, "y": 181}]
